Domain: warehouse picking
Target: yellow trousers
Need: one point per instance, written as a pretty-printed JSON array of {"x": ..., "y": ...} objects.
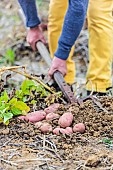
[
  {"x": 57, "y": 10},
  {"x": 100, "y": 25}
]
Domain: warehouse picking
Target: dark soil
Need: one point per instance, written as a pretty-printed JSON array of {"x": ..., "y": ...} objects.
[{"x": 24, "y": 147}]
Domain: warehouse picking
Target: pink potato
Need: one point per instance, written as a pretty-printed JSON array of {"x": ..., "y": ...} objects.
[
  {"x": 66, "y": 120},
  {"x": 52, "y": 116},
  {"x": 80, "y": 127},
  {"x": 52, "y": 108},
  {"x": 23, "y": 118},
  {"x": 56, "y": 131},
  {"x": 34, "y": 116},
  {"x": 45, "y": 128},
  {"x": 67, "y": 131}
]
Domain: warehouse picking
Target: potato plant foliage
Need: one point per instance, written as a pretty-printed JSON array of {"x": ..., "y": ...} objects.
[{"x": 17, "y": 104}]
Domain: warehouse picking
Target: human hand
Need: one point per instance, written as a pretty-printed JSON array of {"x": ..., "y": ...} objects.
[
  {"x": 34, "y": 35},
  {"x": 58, "y": 65}
]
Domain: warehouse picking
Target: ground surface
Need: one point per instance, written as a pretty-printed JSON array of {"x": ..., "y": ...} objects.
[{"x": 22, "y": 146}]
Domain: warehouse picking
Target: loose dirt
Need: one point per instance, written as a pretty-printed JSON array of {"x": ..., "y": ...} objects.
[{"x": 22, "y": 146}]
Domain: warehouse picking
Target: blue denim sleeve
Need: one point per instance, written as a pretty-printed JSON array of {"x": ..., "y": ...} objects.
[
  {"x": 73, "y": 24},
  {"x": 30, "y": 11}
]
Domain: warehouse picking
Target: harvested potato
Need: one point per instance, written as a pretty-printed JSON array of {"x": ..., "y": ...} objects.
[
  {"x": 52, "y": 108},
  {"x": 80, "y": 127},
  {"x": 45, "y": 128},
  {"x": 36, "y": 116},
  {"x": 23, "y": 118},
  {"x": 58, "y": 131},
  {"x": 52, "y": 116},
  {"x": 66, "y": 120},
  {"x": 69, "y": 130}
]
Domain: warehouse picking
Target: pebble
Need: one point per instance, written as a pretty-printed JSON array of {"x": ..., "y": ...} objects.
[{"x": 6, "y": 131}]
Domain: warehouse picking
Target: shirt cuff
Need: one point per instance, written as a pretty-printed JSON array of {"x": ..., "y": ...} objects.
[
  {"x": 33, "y": 23},
  {"x": 62, "y": 53}
]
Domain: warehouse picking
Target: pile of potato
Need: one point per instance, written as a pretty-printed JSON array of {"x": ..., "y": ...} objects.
[{"x": 64, "y": 122}]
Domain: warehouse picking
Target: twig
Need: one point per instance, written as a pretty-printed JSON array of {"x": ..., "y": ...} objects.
[
  {"x": 6, "y": 142},
  {"x": 48, "y": 165},
  {"x": 55, "y": 153},
  {"x": 10, "y": 68},
  {"x": 35, "y": 159},
  {"x": 36, "y": 79},
  {"x": 9, "y": 162},
  {"x": 13, "y": 68},
  {"x": 43, "y": 142}
]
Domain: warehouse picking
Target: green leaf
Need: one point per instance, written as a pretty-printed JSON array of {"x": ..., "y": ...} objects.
[
  {"x": 1, "y": 120},
  {"x": 16, "y": 111},
  {"x": 13, "y": 101},
  {"x": 27, "y": 84},
  {"x": 7, "y": 116},
  {"x": 33, "y": 102},
  {"x": 22, "y": 106},
  {"x": 4, "y": 97},
  {"x": 19, "y": 94},
  {"x": 107, "y": 141},
  {"x": 10, "y": 56},
  {"x": 24, "y": 99},
  {"x": 26, "y": 92},
  {"x": 4, "y": 108}
]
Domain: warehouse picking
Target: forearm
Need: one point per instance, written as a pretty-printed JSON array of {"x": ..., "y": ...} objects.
[
  {"x": 30, "y": 11},
  {"x": 73, "y": 24}
]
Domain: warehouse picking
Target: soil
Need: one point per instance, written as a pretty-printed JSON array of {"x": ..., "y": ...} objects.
[{"x": 24, "y": 147}]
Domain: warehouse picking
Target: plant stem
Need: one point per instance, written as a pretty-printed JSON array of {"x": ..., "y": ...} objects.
[{"x": 36, "y": 79}]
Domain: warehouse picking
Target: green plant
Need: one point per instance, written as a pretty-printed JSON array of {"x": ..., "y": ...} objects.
[
  {"x": 11, "y": 107},
  {"x": 28, "y": 88},
  {"x": 108, "y": 141},
  {"x": 10, "y": 56},
  {"x": 17, "y": 104}
]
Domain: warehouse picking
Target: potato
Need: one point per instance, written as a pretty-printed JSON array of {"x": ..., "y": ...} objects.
[
  {"x": 23, "y": 118},
  {"x": 58, "y": 131},
  {"x": 69, "y": 130},
  {"x": 52, "y": 108},
  {"x": 52, "y": 116},
  {"x": 66, "y": 120},
  {"x": 80, "y": 127},
  {"x": 45, "y": 128},
  {"x": 36, "y": 116}
]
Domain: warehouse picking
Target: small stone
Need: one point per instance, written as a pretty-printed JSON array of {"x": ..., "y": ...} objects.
[
  {"x": 96, "y": 134},
  {"x": 6, "y": 131},
  {"x": 65, "y": 146},
  {"x": 92, "y": 161}
]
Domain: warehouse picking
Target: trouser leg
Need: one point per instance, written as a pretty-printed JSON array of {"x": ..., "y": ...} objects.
[
  {"x": 100, "y": 25},
  {"x": 57, "y": 10}
]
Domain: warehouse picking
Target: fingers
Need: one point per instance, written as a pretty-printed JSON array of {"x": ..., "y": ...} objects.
[
  {"x": 34, "y": 35},
  {"x": 51, "y": 72}
]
